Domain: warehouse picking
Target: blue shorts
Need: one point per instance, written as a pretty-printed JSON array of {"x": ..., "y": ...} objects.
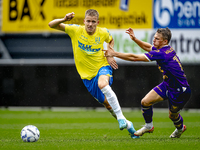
[
  {"x": 92, "y": 85},
  {"x": 177, "y": 97}
]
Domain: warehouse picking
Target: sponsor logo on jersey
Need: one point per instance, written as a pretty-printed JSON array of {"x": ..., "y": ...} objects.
[{"x": 88, "y": 48}]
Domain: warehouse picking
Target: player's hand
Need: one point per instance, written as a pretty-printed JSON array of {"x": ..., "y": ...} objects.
[
  {"x": 69, "y": 16},
  {"x": 109, "y": 52},
  {"x": 131, "y": 33},
  {"x": 109, "y": 55},
  {"x": 112, "y": 62}
]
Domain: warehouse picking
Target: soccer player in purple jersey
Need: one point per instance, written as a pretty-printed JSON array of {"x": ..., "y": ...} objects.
[{"x": 174, "y": 87}]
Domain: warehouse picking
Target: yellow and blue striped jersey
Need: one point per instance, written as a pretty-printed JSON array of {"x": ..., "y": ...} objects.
[{"x": 87, "y": 49}]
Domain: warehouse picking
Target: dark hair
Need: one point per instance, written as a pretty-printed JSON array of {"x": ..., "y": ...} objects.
[
  {"x": 92, "y": 12},
  {"x": 166, "y": 33}
]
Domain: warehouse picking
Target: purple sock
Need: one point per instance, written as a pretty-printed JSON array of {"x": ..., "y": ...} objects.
[
  {"x": 147, "y": 113},
  {"x": 178, "y": 123}
]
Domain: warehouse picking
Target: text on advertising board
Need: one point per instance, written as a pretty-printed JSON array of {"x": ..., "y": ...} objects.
[{"x": 176, "y": 13}]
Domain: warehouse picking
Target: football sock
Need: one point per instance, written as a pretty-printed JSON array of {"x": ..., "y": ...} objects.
[
  {"x": 149, "y": 125},
  {"x": 128, "y": 124},
  {"x": 178, "y": 123},
  {"x": 113, "y": 101},
  {"x": 147, "y": 113}
]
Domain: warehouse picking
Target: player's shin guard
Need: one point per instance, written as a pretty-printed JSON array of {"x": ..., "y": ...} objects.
[
  {"x": 113, "y": 101},
  {"x": 147, "y": 113},
  {"x": 178, "y": 123}
]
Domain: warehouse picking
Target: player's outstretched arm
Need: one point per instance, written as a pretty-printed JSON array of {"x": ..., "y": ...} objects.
[
  {"x": 125, "y": 56},
  {"x": 58, "y": 23},
  {"x": 144, "y": 45},
  {"x": 111, "y": 60}
]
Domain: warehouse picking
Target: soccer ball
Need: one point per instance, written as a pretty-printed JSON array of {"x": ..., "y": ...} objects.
[{"x": 30, "y": 133}]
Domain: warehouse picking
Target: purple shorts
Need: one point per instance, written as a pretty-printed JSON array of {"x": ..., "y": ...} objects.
[{"x": 177, "y": 97}]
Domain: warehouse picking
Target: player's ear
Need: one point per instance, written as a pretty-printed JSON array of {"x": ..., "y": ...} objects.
[
  {"x": 165, "y": 42},
  {"x": 84, "y": 21},
  {"x": 97, "y": 22}
]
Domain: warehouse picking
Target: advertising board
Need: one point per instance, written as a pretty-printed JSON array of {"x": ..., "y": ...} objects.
[
  {"x": 34, "y": 15},
  {"x": 176, "y": 13},
  {"x": 186, "y": 43}
]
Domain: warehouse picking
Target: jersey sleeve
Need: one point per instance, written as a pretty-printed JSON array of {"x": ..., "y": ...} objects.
[
  {"x": 155, "y": 54},
  {"x": 70, "y": 29},
  {"x": 108, "y": 36}
]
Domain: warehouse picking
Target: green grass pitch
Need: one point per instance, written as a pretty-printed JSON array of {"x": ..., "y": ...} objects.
[{"x": 91, "y": 130}]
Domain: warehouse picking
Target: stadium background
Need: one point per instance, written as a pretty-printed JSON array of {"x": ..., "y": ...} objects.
[{"x": 36, "y": 62}]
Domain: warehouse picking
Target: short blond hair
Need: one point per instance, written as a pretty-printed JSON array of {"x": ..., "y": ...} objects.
[{"x": 92, "y": 12}]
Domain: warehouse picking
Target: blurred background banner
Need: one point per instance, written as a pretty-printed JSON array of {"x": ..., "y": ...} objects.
[
  {"x": 185, "y": 42},
  {"x": 176, "y": 13},
  {"x": 34, "y": 15}
]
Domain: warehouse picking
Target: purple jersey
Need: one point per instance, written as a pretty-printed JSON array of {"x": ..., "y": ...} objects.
[{"x": 169, "y": 65}]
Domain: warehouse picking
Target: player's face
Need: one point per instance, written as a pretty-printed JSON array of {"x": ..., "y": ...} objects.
[
  {"x": 158, "y": 41},
  {"x": 91, "y": 23}
]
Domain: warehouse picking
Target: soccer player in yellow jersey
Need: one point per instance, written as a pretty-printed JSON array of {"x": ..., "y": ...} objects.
[{"x": 94, "y": 69}]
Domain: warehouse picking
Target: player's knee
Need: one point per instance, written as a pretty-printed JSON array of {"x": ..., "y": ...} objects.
[
  {"x": 103, "y": 81},
  {"x": 102, "y": 84},
  {"x": 145, "y": 103}
]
